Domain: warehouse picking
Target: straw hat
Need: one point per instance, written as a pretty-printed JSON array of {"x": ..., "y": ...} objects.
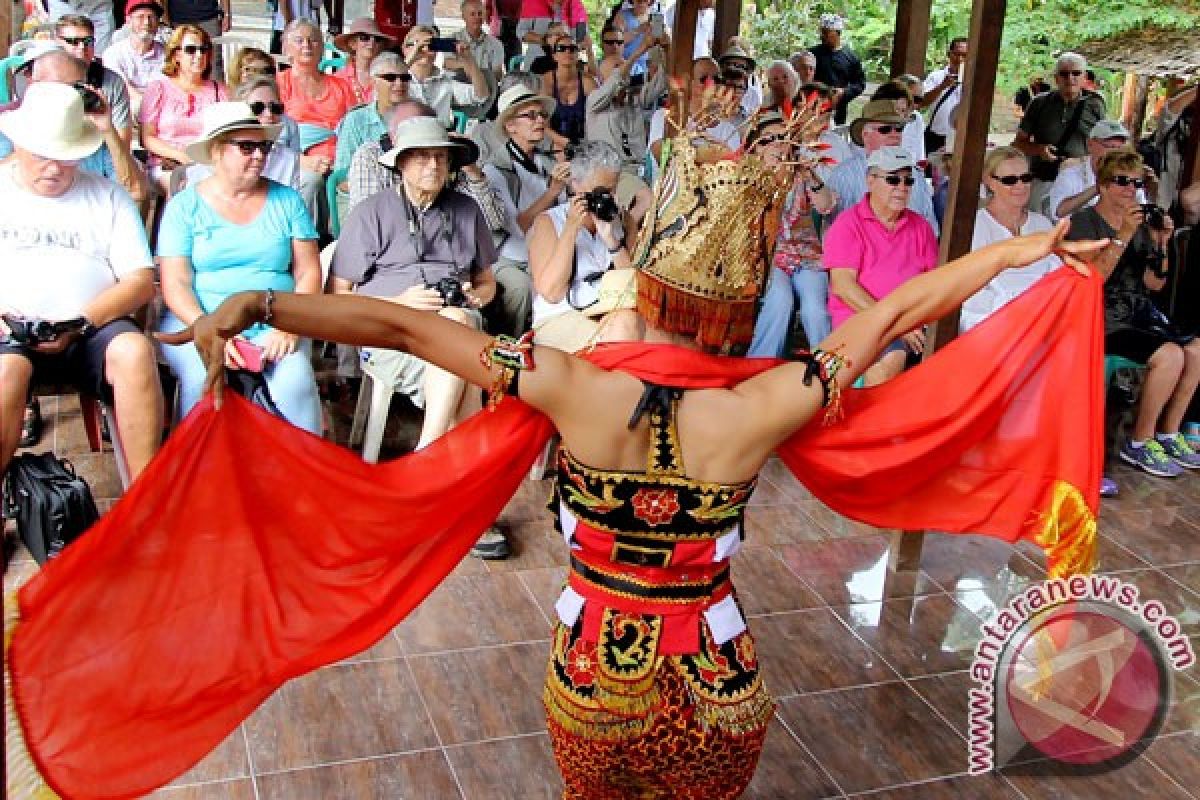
[
  {"x": 361, "y": 25},
  {"x": 617, "y": 292},
  {"x": 875, "y": 111},
  {"x": 418, "y": 133},
  {"x": 222, "y": 118},
  {"x": 736, "y": 53},
  {"x": 50, "y": 123},
  {"x": 516, "y": 98}
]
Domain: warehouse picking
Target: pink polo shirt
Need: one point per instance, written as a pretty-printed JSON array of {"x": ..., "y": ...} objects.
[{"x": 883, "y": 259}]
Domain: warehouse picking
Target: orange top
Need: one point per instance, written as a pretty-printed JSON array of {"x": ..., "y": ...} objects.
[{"x": 326, "y": 110}]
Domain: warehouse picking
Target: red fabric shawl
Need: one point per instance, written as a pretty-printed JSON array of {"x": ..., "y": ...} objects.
[{"x": 249, "y": 552}]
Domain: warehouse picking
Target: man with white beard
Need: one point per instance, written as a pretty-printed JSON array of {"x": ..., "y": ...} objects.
[{"x": 138, "y": 57}]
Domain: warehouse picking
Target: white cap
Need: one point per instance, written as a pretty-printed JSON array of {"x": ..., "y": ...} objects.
[
  {"x": 833, "y": 22},
  {"x": 1108, "y": 129},
  {"x": 890, "y": 159}
]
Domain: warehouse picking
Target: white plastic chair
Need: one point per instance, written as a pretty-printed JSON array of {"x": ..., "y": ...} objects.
[{"x": 371, "y": 414}]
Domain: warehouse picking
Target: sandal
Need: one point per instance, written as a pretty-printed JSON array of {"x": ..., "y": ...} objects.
[{"x": 31, "y": 426}]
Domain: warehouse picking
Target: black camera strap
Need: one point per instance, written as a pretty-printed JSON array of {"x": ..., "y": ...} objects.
[{"x": 416, "y": 232}]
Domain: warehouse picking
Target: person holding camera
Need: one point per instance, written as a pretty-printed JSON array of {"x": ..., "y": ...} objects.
[
  {"x": 436, "y": 87},
  {"x": 1075, "y": 186},
  {"x": 428, "y": 248},
  {"x": 1134, "y": 265},
  {"x": 942, "y": 91},
  {"x": 571, "y": 248},
  {"x": 77, "y": 266}
]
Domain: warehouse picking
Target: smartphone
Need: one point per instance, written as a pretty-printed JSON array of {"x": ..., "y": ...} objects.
[
  {"x": 440, "y": 44},
  {"x": 656, "y": 25},
  {"x": 252, "y": 354}
]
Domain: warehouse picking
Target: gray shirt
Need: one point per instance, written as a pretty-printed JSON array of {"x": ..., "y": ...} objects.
[
  {"x": 624, "y": 126},
  {"x": 382, "y": 254},
  {"x": 112, "y": 86}
]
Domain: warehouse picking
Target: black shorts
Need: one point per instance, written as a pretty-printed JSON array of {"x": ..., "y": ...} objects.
[
  {"x": 1133, "y": 344},
  {"x": 81, "y": 365}
]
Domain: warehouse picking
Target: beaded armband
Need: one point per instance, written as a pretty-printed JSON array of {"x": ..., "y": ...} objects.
[
  {"x": 511, "y": 356},
  {"x": 825, "y": 365}
]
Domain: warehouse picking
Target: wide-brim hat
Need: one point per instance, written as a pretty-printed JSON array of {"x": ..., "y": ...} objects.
[
  {"x": 361, "y": 25},
  {"x": 222, "y": 118},
  {"x": 423, "y": 133},
  {"x": 617, "y": 292},
  {"x": 516, "y": 98},
  {"x": 50, "y": 123},
  {"x": 31, "y": 50},
  {"x": 875, "y": 111}
]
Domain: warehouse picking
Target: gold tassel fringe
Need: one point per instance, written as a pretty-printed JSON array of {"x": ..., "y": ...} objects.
[
  {"x": 22, "y": 781},
  {"x": 1067, "y": 532},
  {"x": 716, "y": 323}
]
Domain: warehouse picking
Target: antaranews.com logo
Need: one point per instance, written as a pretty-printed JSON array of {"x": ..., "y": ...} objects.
[{"x": 1074, "y": 670}]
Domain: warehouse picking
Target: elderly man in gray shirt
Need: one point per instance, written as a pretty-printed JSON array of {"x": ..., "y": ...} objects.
[{"x": 429, "y": 248}]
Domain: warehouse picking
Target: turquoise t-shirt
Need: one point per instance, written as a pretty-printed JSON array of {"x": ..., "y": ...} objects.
[{"x": 228, "y": 258}]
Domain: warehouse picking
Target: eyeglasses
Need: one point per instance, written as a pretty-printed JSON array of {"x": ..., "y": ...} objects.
[
  {"x": 192, "y": 49},
  {"x": 896, "y": 180},
  {"x": 1070, "y": 73},
  {"x": 392, "y": 77},
  {"x": 614, "y": 42},
  {"x": 886, "y": 129},
  {"x": 532, "y": 115},
  {"x": 1012, "y": 180},
  {"x": 1125, "y": 180},
  {"x": 76, "y": 41},
  {"x": 248, "y": 146},
  {"x": 258, "y": 107},
  {"x": 566, "y": 48}
]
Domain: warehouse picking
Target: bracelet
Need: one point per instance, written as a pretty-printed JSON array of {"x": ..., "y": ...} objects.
[{"x": 268, "y": 302}]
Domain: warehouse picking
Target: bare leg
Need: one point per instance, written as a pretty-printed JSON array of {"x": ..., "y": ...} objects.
[
  {"x": 1181, "y": 398},
  {"x": 886, "y": 368},
  {"x": 133, "y": 372},
  {"x": 1162, "y": 376},
  {"x": 15, "y": 374}
]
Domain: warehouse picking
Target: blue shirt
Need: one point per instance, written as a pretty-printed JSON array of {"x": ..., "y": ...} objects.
[{"x": 228, "y": 258}]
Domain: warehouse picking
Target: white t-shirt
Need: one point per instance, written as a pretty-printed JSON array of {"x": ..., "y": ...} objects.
[
  {"x": 725, "y": 132},
  {"x": 1010, "y": 283},
  {"x": 591, "y": 259},
  {"x": 942, "y": 122},
  {"x": 913, "y": 138},
  {"x": 57, "y": 254}
]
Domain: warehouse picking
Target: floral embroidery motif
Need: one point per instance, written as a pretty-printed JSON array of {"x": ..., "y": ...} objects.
[
  {"x": 655, "y": 506},
  {"x": 714, "y": 668},
  {"x": 580, "y": 664},
  {"x": 744, "y": 650}
]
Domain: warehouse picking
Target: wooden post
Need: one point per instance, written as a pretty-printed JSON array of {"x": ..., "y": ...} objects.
[
  {"x": 911, "y": 37},
  {"x": 683, "y": 40},
  {"x": 1141, "y": 96},
  {"x": 729, "y": 23},
  {"x": 1191, "y": 153}
]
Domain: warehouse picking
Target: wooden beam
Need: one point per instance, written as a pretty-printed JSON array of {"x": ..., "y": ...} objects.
[
  {"x": 911, "y": 37},
  {"x": 729, "y": 23},
  {"x": 1191, "y": 152},
  {"x": 970, "y": 136}
]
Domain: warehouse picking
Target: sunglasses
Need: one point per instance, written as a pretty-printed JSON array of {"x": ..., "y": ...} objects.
[
  {"x": 896, "y": 180},
  {"x": 1012, "y": 180},
  {"x": 367, "y": 38},
  {"x": 566, "y": 48},
  {"x": 1069, "y": 73},
  {"x": 614, "y": 41},
  {"x": 248, "y": 146},
  {"x": 392, "y": 77},
  {"x": 266, "y": 69},
  {"x": 532, "y": 115},
  {"x": 886, "y": 129},
  {"x": 76, "y": 41},
  {"x": 258, "y": 107},
  {"x": 192, "y": 49},
  {"x": 1125, "y": 180}
]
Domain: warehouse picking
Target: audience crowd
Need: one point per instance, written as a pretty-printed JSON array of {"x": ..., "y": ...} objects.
[{"x": 499, "y": 177}]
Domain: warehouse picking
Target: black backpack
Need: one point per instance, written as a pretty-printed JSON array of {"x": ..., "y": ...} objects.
[{"x": 51, "y": 504}]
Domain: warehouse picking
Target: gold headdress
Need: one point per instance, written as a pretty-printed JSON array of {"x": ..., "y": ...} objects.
[{"x": 703, "y": 251}]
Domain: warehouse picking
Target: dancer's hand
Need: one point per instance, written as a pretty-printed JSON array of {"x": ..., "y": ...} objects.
[
  {"x": 1023, "y": 250},
  {"x": 211, "y": 331}
]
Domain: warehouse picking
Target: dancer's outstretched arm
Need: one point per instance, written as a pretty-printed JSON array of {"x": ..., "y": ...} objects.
[{"x": 923, "y": 299}]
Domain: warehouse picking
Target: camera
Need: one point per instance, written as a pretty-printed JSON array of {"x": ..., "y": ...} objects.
[
  {"x": 451, "y": 291},
  {"x": 1156, "y": 218},
  {"x": 92, "y": 101},
  {"x": 601, "y": 204},
  {"x": 32, "y": 332}
]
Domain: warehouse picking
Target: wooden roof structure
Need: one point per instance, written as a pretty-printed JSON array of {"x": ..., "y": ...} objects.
[{"x": 1153, "y": 52}]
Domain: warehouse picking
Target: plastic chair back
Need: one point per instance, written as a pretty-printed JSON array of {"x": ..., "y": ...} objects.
[
  {"x": 7, "y": 67},
  {"x": 331, "y": 195}
]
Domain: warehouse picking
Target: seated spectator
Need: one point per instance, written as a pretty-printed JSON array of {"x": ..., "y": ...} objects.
[
  {"x": 486, "y": 50},
  {"x": 401, "y": 246},
  {"x": 486, "y": 135},
  {"x": 363, "y": 42},
  {"x": 437, "y": 88},
  {"x": 633, "y": 22},
  {"x": 879, "y": 125},
  {"x": 98, "y": 14},
  {"x": 797, "y": 274},
  {"x": 571, "y": 246},
  {"x": 250, "y": 62},
  {"x": 878, "y": 244},
  {"x": 710, "y": 102},
  {"x": 569, "y": 87},
  {"x": 544, "y": 61},
  {"x": 805, "y": 65},
  {"x": 287, "y": 12},
  {"x": 365, "y": 123},
  {"x": 368, "y": 176},
  {"x": 139, "y": 57},
  {"x": 1075, "y": 187},
  {"x": 612, "y": 44},
  {"x": 173, "y": 106},
  {"x": 1134, "y": 265},
  {"x": 782, "y": 84},
  {"x": 735, "y": 61},
  {"x": 76, "y": 35},
  {"x": 1008, "y": 181},
  {"x": 899, "y": 91},
  {"x": 540, "y": 18},
  {"x": 528, "y": 183},
  {"x": 237, "y": 231},
  {"x": 100, "y": 282},
  {"x": 317, "y": 102}
]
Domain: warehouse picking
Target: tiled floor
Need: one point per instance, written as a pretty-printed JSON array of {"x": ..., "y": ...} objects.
[{"x": 868, "y": 667}]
